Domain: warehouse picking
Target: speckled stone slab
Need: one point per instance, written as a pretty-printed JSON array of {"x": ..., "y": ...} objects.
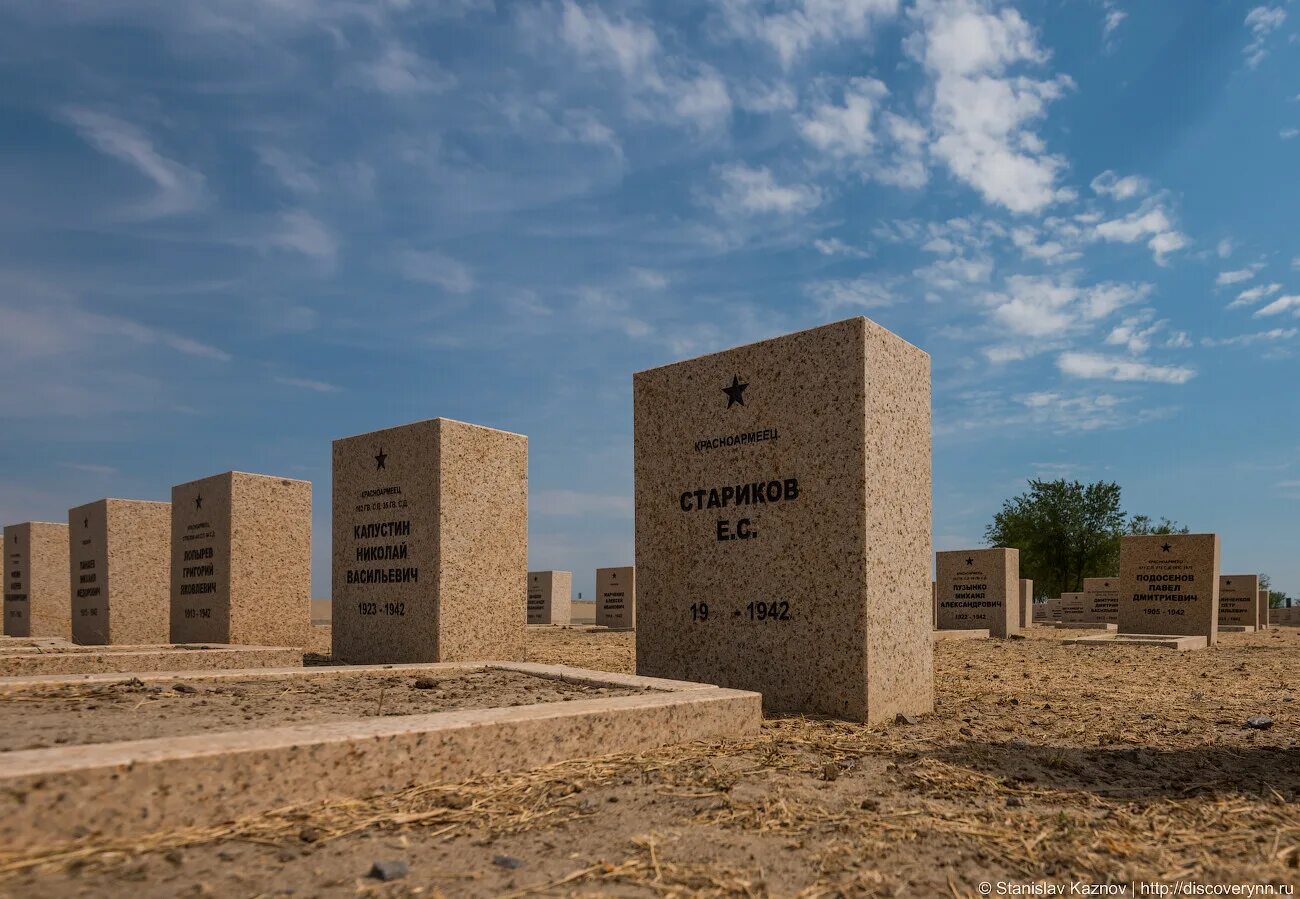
[
  {"x": 121, "y": 571},
  {"x": 979, "y": 588},
  {"x": 1101, "y": 597},
  {"x": 1169, "y": 585},
  {"x": 1263, "y": 608},
  {"x": 241, "y": 560},
  {"x": 616, "y": 597},
  {"x": 1239, "y": 600},
  {"x": 1026, "y": 602},
  {"x": 131, "y": 659},
  {"x": 37, "y": 593},
  {"x": 783, "y": 521},
  {"x": 1074, "y": 609},
  {"x": 550, "y": 597},
  {"x": 1054, "y": 609},
  {"x": 981, "y": 633},
  {"x": 133, "y": 788},
  {"x": 1168, "y": 641},
  {"x": 430, "y": 553}
]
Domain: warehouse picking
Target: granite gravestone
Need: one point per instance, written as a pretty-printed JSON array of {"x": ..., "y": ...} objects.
[
  {"x": 550, "y": 597},
  {"x": 241, "y": 560},
  {"x": 1169, "y": 585},
  {"x": 1026, "y": 602},
  {"x": 430, "y": 551},
  {"x": 979, "y": 588},
  {"x": 1074, "y": 609},
  {"x": 120, "y": 565},
  {"x": 616, "y": 597},
  {"x": 1239, "y": 600},
  {"x": 1263, "y": 608},
  {"x": 783, "y": 521},
  {"x": 36, "y": 595},
  {"x": 1101, "y": 599},
  {"x": 1054, "y": 609}
]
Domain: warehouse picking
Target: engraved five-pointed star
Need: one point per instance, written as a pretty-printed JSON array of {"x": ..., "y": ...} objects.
[
  {"x": 970, "y": 561},
  {"x": 198, "y": 501},
  {"x": 85, "y": 523},
  {"x": 380, "y": 458},
  {"x": 1166, "y": 547},
  {"x": 736, "y": 392}
]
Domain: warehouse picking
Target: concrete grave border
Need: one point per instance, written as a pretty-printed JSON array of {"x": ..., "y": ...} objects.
[
  {"x": 126, "y": 659},
  {"x": 981, "y": 633},
  {"x": 1178, "y": 643},
  {"x": 136, "y": 787}
]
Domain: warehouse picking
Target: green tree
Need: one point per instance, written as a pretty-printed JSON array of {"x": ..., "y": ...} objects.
[
  {"x": 1276, "y": 598},
  {"x": 1065, "y": 531}
]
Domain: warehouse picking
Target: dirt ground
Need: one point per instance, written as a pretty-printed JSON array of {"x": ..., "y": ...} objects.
[
  {"x": 131, "y": 710},
  {"x": 1042, "y": 762}
]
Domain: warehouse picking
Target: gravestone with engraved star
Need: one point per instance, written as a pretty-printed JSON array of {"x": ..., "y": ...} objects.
[
  {"x": 979, "y": 589},
  {"x": 1101, "y": 599},
  {"x": 783, "y": 521},
  {"x": 1239, "y": 600},
  {"x": 550, "y": 597},
  {"x": 36, "y": 601},
  {"x": 616, "y": 597},
  {"x": 430, "y": 551},
  {"x": 120, "y": 565},
  {"x": 1074, "y": 609},
  {"x": 1169, "y": 585},
  {"x": 241, "y": 560}
]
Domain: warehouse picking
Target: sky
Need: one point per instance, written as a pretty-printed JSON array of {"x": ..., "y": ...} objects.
[{"x": 233, "y": 231}]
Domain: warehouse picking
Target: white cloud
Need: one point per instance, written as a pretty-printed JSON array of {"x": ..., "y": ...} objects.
[
  {"x": 1150, "y": 223},
  {"x": 980, "y": 113},
  {"x": 1045, "y": 307},
  {"x": 398, "y": 71},
  {"x": 1224, "y": 248},
  {"x": 1114, "y": 17},
  {"x": 438, "y": 269},
  {"x": 1247, "y": 339},
  {"x": 665, "y": 87},
  {"x": 648, "y": 279},
  {"x": 177, "y": 189},
  {"x": 1110, "y": 368},
  {"x": 1281, "y": 304},
  {"x": 1051, "y": 251},
  {"x": 754, "y": 191},
  {"x": 858, "y": 293},
  {"x": 1236, "y": 276},
  {"x": 302, "y": 232},
  {"x": 1262, "y": 21},
  {"x": 1111, "y": 185},
  {"x": 307, "y": 384},
  {"x": 833, "y": 246},
  {"x": 1254, "y": 295},
  {"x": 956, "y": 274},
  {"x": 793, "y": 27},
  {"x": 1288, "y": 133},
  {"x": 845, "y": 131},
  {"x": 297, "y": 174},
  {"x": 1136, "y": 333}
]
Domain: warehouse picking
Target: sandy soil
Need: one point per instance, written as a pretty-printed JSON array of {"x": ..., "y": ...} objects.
[
  {"x": 1042, "y": 762},
  {"x": 131, "y": 710}
]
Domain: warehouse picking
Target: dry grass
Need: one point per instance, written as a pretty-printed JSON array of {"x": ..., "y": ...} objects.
[{"x": 1042, "y": 762}]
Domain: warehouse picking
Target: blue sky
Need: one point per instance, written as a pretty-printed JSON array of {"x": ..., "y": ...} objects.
[{"x": 235, "y": 230}]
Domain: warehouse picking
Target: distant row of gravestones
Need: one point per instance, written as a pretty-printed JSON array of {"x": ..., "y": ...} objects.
[
  {"x": 783, "y": 537},
  {"x": 1161, "y": 587}
]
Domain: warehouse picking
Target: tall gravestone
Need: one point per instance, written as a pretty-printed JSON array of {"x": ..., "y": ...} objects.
[
  {"x": 1054, "y": 609},
  {"x": 550, "y": 597},
  {"x": 616, "y": 597},
  {"x": 36, "y": 600},
  {"x": 1169, "y": 585},
  {"x": 783, "y": 521},
  {"x": 241, "y": 560},
  {"x": 430, "y": 551},
  {"x": 120, "y": 567},
  {"x": 1239, "y": 600},
  {"x": 1263, "y": 608},
  {"x": 1026, "y": 602},
  {"x": 1101, "y": 598},
  {"x": 979, "y": 588},
  {"x": 1074, "y": 608}
]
